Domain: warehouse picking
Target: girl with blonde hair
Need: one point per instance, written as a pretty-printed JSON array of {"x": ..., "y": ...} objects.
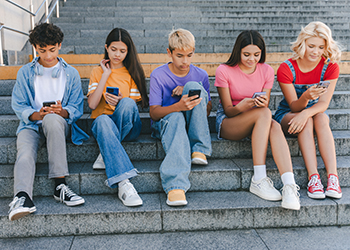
[{"x": 307, "y": 81}]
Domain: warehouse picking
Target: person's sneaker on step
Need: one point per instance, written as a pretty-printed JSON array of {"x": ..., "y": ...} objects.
[
  {"x": 176, "y": 197},
  {"x": 99, "y": 163},
  {"x": 65, "y": 195},
  {"x": 315, "y": 187},
  {"x": 20, "y": 206},
  {"x": 264, "y": 189},
  {"x": 290, "y": 197},
  {"x": 333, "y": 189},
  {"x": 128, "y": 194},
  {"x": 199, "y": 158}
]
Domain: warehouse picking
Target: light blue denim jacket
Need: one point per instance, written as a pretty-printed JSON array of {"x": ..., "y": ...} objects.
[{"x": 23, "y": 98}]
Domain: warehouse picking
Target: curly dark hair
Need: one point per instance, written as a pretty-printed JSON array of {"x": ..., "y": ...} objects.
[{"x": 45, "y": 34}]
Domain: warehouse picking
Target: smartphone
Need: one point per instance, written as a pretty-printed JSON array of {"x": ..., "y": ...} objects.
[
  {"x": 257, "y": 94},
  {"x": 48, "y": 104},
  {"x": 193, "y": 92},
  {"x": 113, "y": 90},
  {"x": 323, "y": 84}
]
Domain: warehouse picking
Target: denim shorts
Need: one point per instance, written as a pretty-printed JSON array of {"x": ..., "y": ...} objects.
[{"x": 220, "y": 116}]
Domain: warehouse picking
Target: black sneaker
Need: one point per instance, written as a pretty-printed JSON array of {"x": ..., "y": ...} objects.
[
  {"x": 65, "y": 195},
  {"x": 21, "y": 206}
]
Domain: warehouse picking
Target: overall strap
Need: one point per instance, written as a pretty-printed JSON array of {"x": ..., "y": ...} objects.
[
  {"x": 323, "y": 71},
  {"x": 290, "y": 65}
]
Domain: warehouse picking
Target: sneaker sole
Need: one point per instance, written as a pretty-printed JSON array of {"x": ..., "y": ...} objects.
[
  {"x": 291, "y": 206},
  {"x": 199, "y": 161},
  {"x": 70, "y": 203},
  {"x": 18, "y": 215},
  {"x": 316, "y": 196},
  {"x": 254, "y": 191},
  {"x": 98, "y": 167},
  {"x": 131, "y": 204},
  {"x": 176, "y": 203},
  {"x": 333, "y": 194}
]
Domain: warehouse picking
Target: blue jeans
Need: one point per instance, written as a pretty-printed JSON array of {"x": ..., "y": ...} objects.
[
  {"x": 110, "y": 130},
  {"x": 182, "y": 133}
]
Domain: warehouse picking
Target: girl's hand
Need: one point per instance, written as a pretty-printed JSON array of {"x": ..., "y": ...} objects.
[
  {"x": 246, "y": 104},
  {"x": 188, "y": 103},
  {"x": 105, "y": 66},
  {"x": 113, "y": 99},
  {"x": 177, "y": 91},
  {"x": 297, "y": 123},
  {"x": 314, "y": 92},
  {"x": 261, "y": 101}
]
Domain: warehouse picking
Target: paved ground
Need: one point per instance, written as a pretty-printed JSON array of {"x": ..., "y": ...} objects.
[{"x": 274, "y": 239}]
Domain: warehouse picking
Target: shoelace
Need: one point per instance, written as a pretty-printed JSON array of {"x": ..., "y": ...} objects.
[
  {"x": 295, "y": 191},
  {"x": 65, "y": 191},
  {"x": 333, "y": 183},
  {"x": 315, "y": 182},
  {"x": 17, "y": 202},
  {"x": 268, "y": 181}
]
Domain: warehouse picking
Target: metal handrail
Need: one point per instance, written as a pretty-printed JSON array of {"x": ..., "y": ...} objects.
[{"x": 47, "y": 15}]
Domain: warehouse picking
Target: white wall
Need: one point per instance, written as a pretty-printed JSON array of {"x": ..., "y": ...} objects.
[{"x": 16, "y": 18}]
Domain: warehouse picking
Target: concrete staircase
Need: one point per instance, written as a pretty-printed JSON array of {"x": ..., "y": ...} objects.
[{"x": 219, "y": 197}]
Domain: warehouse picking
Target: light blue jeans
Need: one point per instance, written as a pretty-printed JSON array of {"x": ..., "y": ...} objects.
[
  {"x": 109, "y": 131},
  {"x": 182, "y": 133}
]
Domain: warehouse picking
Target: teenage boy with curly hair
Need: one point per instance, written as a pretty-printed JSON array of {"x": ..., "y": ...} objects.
[{"x": 46, "y": 79}]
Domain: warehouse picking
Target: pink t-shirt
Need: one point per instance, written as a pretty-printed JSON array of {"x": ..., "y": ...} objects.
[{"x": 242, "y": 85}]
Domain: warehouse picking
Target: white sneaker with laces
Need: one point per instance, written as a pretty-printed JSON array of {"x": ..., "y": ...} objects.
[
  {"x": 21, "y": 206},
  {"x": 290, "y": 197},
  {"x": 65, "y": 195},
  {"x": 128, "y": 194},
  {"x": 99, "y": 164},
  {"x": 264, "y": 189}
]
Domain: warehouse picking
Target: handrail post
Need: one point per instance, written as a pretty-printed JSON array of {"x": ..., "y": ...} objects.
[
  {"x": 58, "y": 9},
  {"x": 32, "y": 25},
  {"x": 1, "y": 55},
  {"x": 46, "y": 11}
]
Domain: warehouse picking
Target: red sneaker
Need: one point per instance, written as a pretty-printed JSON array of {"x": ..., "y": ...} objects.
[
  {"x": 315, "y": 187},
  {"x": 333, "y": 188}
]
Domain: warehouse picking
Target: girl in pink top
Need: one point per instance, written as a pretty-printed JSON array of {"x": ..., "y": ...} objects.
[{"x": 241, "y": 114}]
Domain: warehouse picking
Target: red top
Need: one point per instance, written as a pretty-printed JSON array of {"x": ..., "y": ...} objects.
[{"x": 284, "y": 74}]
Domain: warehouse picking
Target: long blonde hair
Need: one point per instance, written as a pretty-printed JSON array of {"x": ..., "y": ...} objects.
[{"x": 316, "y": 29}]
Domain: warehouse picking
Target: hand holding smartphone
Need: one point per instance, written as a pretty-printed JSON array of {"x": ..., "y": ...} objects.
[
  {"x": 193, "y": 92},
  {"x": 257, "y": 94},
  {"x": 48, "y": 104},
  {"x": 113, "y": 90},
  {"x": 323, "y": 84}
]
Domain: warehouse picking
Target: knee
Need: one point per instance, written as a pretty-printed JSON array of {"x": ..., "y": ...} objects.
[
  {"x": 264, "y": 114},
  {"x": 176, "y": 119},
  {"x": 53, "y": 122},
  {"x": 126, "y": 105},
  {"x": 321, "y": 119},
  {"x": 101, "y": 123},
  {"x": 275, "y": 127}
]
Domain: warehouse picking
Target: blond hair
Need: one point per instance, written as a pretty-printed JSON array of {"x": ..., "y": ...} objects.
[
  {"x": 181, "y": 39},
  {"x": 316, "y": 29}
]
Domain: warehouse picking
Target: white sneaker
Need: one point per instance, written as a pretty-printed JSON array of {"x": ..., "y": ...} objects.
[
  {"x": 128, "y": 194},
  {"x": 99, "y": 164},
  {"x": 264, "y": 189},
  {"x": 290, "y": 197}
]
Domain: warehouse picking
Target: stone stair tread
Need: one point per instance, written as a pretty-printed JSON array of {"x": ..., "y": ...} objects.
[{"x": 206, "y": 211}]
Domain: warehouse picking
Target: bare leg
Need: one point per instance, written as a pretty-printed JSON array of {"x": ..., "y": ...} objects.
[
  {"x": 255, "y": 122},
  {"x": 280, "y": 149},
  {"x": 325, "y": 142},
  {"x": 306, "y": 143}
]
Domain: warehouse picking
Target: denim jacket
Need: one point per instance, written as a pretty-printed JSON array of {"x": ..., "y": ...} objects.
[{"x": 23, "y": 98}]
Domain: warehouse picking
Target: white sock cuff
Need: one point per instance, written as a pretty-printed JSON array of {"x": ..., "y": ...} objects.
[
  {"x": 259, "y": 172},
  {"x": 288, "y": 178}
]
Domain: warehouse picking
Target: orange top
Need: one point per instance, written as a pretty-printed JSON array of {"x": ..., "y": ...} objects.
[{"x": 118, "y": 78}]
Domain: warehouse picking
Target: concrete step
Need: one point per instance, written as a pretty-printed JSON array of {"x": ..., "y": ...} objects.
[
  {"x": 219, "y": 175},
  {"x": 105, "y": 214},
  {"x": 339, "y": 120},
  {"x": 147, "y": 148}
]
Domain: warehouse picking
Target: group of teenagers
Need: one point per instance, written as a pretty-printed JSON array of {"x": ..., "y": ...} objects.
[{"x": 179, "y": 105}]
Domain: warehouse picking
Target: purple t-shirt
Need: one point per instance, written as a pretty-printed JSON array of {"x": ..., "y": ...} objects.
[{"x": 163, "y": 81}]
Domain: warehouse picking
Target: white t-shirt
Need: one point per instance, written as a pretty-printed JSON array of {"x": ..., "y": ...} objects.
[{"x": 47, "y": 88}]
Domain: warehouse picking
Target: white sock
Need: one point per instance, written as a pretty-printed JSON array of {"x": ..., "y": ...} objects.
[
  {"x": 288, "y": 178},
  {"x": 122, "y": 182},
  {"x": 259, "y": 172}
]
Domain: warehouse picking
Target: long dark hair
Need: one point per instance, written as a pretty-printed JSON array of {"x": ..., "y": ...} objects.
[
  {"x": 131, "y": 61},
  {"x": 247, "y": 37}
]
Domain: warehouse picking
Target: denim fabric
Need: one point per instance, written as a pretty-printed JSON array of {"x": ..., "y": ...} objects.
[
  {"x": 55, "y": 129},
  {"x": 181, "y": 134},
  {"x": 73, "y": 99},
  {"x": 220, "y": 116},
  {"x": 110, "y": 130}
]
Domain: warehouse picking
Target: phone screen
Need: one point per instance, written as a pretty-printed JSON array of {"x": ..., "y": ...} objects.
[{"x": 193, "y": 92}]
